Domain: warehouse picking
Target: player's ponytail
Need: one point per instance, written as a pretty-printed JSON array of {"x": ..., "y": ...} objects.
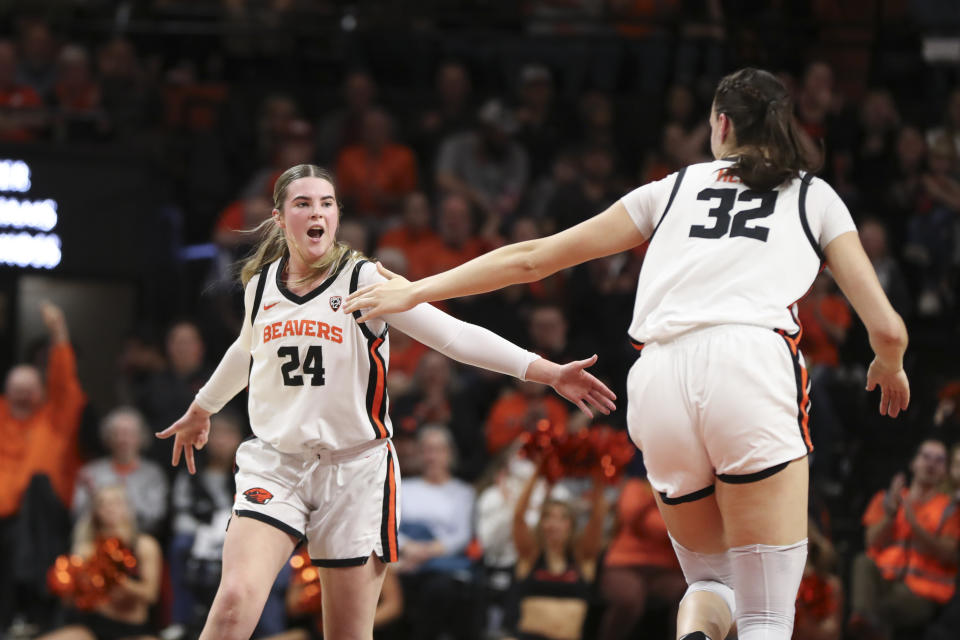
[
  {"x": 770, "y": 149},
  {"x": 273, "y": 244}
]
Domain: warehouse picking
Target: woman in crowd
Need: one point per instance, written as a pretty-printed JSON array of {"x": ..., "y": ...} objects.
[
  {"x": 126, "y": 612},
  {"x": 556, "y": 566}
]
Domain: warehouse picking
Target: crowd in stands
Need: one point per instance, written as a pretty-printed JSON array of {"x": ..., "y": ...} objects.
[{"x": 486, "y": 144}]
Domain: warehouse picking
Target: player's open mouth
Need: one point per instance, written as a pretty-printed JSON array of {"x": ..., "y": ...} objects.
[{"x": 315, "y": 232}]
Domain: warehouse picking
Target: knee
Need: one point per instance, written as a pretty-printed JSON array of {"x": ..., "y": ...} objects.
[
  {"x": 722, "y": 591},
  {"x": 234, "y": 597}
]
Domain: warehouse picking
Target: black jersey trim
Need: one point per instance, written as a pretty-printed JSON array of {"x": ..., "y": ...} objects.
[
  {"x": 258, "y": 296},
  {"x": 377, "y": 390},
  {"x": 803, "y": 388},
  {"x": 804, "y": 187},
  {"x": 690, "y": 497},
  {"x": 388, "y": 520},
  {"x": 746, "y": 478},
  {"x": 270, "y": 520},
  {"x": 673, "y": 194},
  {"x": 340, "y": 562},
  {"x": 354, "y": 282},
  {"x": 310, "y": 295}
]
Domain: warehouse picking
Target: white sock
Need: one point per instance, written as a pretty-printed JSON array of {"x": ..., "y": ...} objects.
[{"x": 766, "y": 579}]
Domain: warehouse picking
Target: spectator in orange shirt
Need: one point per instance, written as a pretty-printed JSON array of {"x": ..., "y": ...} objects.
[
  {"x": 459, "y": 242},
  {"x": 640, "y": 564},
  {"x": 374, "y": 176},
  {"x": 414, "y": 238},
  {"x": 37, "y": 437},
  {"x": 912, "y": 539},
  {"x": 520, "y": 410},
  {"x": 825, "y": 318},
  {"x": 20, "y": 118}
]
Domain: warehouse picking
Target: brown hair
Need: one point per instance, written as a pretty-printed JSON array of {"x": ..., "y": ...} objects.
[
  {"x": 571, "y": 516},
  {"x": 769, "y": 145},
  {"x": 273, "y": 243}
]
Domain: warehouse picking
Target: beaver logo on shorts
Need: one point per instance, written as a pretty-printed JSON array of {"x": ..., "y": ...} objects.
[
  {"x": 335, "y": 302},
  {"x": 258, "y": 495}
]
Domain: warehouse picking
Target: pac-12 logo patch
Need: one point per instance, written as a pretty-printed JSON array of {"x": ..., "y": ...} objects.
[
  {"x": 258, "y": 495},
  {"x": 335, "y": 302}
]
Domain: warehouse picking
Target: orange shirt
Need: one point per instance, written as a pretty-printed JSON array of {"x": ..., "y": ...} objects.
[
  {"x": 359, "y": 175},
  {"x": 417, "y": 245},
  {"x": 816, "y": 344},
  {"x": 509, "y": 417},
  {"x": 901, "y": 560},
  {"x": 445, "y": 257},
  {"x": 46, "y": 441},
  {"x": 641, "y": 539}
]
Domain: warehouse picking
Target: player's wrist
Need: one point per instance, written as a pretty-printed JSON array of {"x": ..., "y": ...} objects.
[{"x": 197, "y": 410}]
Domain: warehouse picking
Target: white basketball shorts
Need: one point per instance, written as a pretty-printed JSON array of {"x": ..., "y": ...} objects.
[
  {"x": 729, "y": 402},
  {"x": 345, "y": 503}
]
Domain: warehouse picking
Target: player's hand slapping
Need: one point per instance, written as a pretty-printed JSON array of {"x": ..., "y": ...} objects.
[
  {"x": 393, "y": 296},
  {"x": 572, "y": 381},
  {"x": 191, "y": 433}
]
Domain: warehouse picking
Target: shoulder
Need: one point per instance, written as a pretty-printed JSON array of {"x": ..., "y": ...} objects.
[
  {"x": 818, "y": 190},
  {"x": 147, "y": 547},
  {"x": 462, "y": 488},
  {"x": 153, "y": 469},
  {"x": 95, "y": 467},
  {"x": 412, "y": 484}
]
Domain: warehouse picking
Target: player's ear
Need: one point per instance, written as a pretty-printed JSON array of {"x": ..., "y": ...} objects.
[
  {"x": 726, "y": 126},
  {"x": 278, "y": 218}
]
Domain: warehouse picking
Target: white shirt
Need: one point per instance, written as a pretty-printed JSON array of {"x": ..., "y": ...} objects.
[{"x": 721, "y": 253}]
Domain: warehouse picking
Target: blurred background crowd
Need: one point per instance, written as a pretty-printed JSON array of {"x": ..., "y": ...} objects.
[{"x": 452, "y": 128}]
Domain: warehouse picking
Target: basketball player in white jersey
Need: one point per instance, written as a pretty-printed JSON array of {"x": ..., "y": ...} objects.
[
  {"x": 322, "y": 467},
  {"x": 718, "y": 396}
]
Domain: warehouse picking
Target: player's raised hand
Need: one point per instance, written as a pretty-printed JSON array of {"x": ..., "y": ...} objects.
[
  {"x": 894, "y": 388},
  {"x": 392, "y": 296},
  {"x": 574, "y": 383},
  {"x": 191, "y": 432}
]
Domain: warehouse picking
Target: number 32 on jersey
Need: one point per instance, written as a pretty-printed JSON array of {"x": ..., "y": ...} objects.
[{"x": 737, "y": 223}]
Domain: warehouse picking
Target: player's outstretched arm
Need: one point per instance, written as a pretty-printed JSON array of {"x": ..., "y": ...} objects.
[
  {"x": 888, "y": 335},
  {"x": 479, "y": 347},
  {"x": 228, "y": 379},
  {"x": 606, "y": 233}
]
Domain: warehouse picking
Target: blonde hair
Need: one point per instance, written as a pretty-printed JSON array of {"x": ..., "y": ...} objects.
[
  {"x": 273, "y": 242},
  {"x": 89, "y": 527}
]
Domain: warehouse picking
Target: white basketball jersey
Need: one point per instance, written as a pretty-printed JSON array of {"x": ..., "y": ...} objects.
[
  {"x": 317, "y": 377},
  {"x": 721, "y": 253}
]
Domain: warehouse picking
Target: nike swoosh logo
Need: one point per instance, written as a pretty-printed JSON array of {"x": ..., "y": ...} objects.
[{"x": 267, "y": 307}]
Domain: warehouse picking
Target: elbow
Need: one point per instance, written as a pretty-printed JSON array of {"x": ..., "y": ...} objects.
[{"x": 530, "y": 262}]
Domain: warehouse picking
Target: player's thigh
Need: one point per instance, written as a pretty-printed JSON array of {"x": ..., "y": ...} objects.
[
  {"x": 350, "y": 597},
  {"x": 697, "y": 525},
  {"x": 253, "y": 554},
  {"x": 770, "y": 511}
]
